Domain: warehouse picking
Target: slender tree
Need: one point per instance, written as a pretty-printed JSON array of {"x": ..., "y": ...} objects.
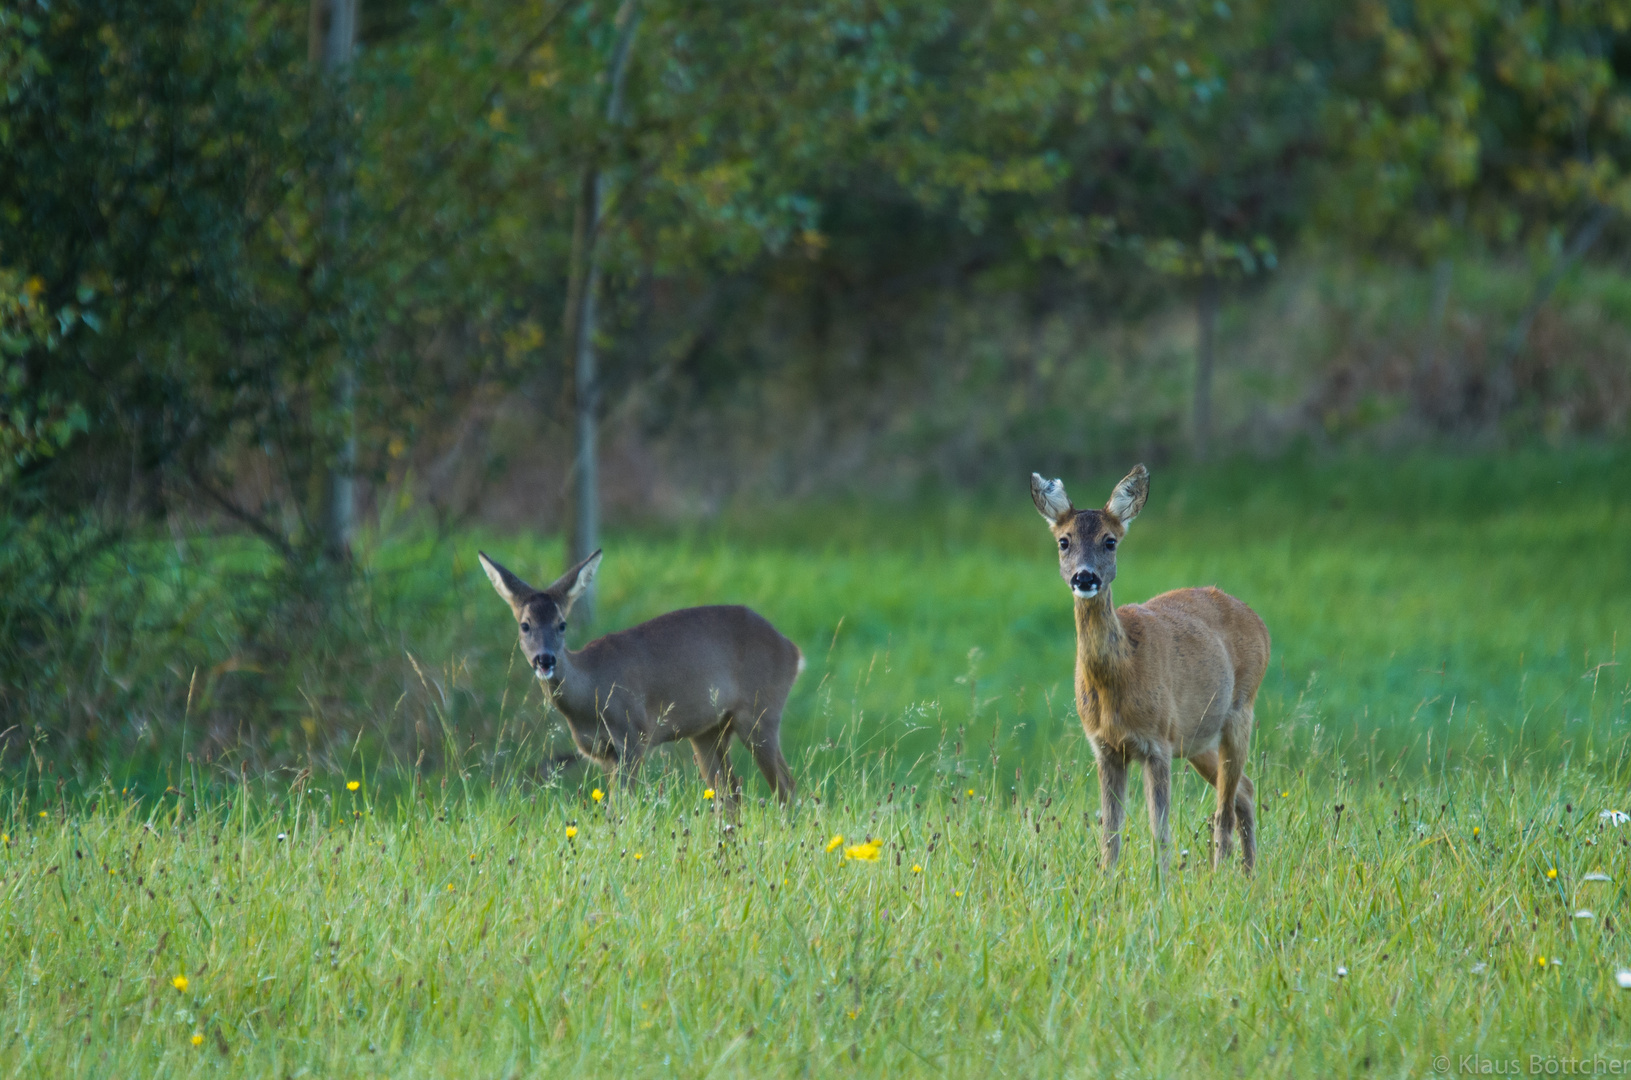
[
  {"x": 333, "y": 40},
  {"x": 581, "y": 321}
]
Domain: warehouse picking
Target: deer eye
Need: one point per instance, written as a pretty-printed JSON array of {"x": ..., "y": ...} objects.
[
  {"x": 1110, "y": 543},
  {"x": 525, "y": 627},
  {"x": 1064, "y": 543},
  {"x": 563, "y": 626}
]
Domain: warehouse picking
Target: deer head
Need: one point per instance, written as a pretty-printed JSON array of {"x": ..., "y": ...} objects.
[
  {"x": 1088, "y": 539},
  {"x": 541, "y": 614}
]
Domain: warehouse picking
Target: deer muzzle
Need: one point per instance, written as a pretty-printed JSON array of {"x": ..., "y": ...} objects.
[
  {"x": 544, "y": 665},
  {"x": 1085, "y": 584}
]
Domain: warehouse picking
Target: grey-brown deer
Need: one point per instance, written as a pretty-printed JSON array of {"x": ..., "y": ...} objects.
[
  {"x": 1174, "y": 676},
  {"x": 702, "y": 673}
]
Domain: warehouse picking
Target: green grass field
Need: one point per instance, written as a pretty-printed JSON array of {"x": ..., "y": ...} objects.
[{"x": 1445, "y": 670}]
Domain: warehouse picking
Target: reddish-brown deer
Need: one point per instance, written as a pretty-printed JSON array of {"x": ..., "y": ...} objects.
[
  {"x": 1174, "y": 676},
  {"x": 703, "y": 673}
]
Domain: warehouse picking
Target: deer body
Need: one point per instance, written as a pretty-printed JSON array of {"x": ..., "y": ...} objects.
[
  {"x": 703, "y": 674},
  {"x": 1176, "y": 676}
]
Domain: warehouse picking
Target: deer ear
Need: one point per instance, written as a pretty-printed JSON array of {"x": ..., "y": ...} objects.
[
  {"x": 1051, "y": 500},
  {"x": 1128, "y": 498},
  {"x": 514, "y": 591},
  {"x": 575, "y": 582}
]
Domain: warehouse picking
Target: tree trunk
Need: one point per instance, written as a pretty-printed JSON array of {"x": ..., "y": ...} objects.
[
  {"x": 1206, "y": 312},
  {"x": 332, "y": 41},
  {"x": 581, "y": 323},
  {"x": 1579, "y": 244}
]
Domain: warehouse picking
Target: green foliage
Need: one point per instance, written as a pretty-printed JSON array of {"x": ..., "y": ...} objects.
[{"x": 1479, "y": 121}]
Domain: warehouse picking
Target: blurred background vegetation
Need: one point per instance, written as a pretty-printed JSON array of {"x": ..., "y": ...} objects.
[{"x": 297, "y": 300}]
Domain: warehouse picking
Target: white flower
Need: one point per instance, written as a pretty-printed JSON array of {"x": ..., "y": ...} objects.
[
  {"x": 1585, "y": 913},
  {"x": 1614, "y": 817},
  {"x": 1623, "y": 977},
  {"x": 1596, "y": 875},
  {"x": 1479, "y": 968},
  {"x": 1342, "y": 973}
]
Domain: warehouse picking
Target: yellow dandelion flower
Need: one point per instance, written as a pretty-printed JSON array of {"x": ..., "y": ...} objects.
[
  {"x": 1551, "y": 874},
  {"x": 835, "y": 843},
  {"x": 971, "y": 793},
  {"x": 1475, "y": 830},
  {"x": 450, "y": 886},
  {"x": 597, "y": 794},
  {"x": 638, "y": 856},
  {"x": 571, "y": 831},
  {"x": 708, "y": 794},
  {"x": 1285, "y": 794},
  {"x": 959, "y": 892},
  {"x": 867, "y": 852},
  {"x": 5, "y": 838},
  {"x": 198, "y": 1040},
  {"x": 353, "y": 785},
  {"x": 1540, "y": 961},
  {"x": 180, "y": 983},
  {"x": 43, "y": 813},
  {"x": 916, "y": 869},
  {"x": 852, "y": 1013}
]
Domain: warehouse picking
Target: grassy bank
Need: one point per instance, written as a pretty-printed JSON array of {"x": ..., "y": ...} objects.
[
  {"x": 318, "y": 931},
  {"x": 1423, "y": 612},
  {"x": 216, "y": 897}
]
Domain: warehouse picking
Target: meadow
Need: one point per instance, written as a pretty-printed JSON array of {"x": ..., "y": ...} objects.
[{"x": 412, "y": 893}]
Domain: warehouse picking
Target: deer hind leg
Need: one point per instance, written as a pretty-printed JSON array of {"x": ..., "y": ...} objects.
[
  {"x": 764, "y": 739},
  {"x": 1246, "y": 815},
  {"x": 1112, "y": 798},
  {"x": 1235, "y": 804},
  {"x": 712, "y": 751},
  {"x": 1158, "y": 794}
]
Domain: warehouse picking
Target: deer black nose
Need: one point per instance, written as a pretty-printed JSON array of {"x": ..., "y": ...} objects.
[
  {"x": 1083, "y": 580},
  {"x": 544, "y": 662}
]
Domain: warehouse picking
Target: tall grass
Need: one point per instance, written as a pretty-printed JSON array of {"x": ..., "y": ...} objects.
[
  {"x": 518, "y": 929},
  {"x": 1443, "y": 725}
]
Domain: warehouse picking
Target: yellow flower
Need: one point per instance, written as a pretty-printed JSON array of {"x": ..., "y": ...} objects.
[
  {"x": 971, "y": 793},
  {"x": 180, "y": 983},
  {"x": 1540, "y": 961},
  {"x": 916, "y": 869},
  {"x": 708, "y": 794},
  {"x": 1551, "y": 875},
  {"x": 1285, "y": 794},
  {"x": 835, "y": 842},
  {"x": 571, "y": 831},
  {"x": 1475, "y": 830},
  {"x": 959, "y": 892},
  {"x": 198, "y": 1040},
  {"x": 5, "y": 838},
  {"x": 34, "y": 286},
  {"x": 867, "y": 852},
  {"x": 353, "y": 785},
  {"x": 597, "y": 794},
  {"x": 450, "y": 886},
  {"x": 42, "y": 813},
  {"x": 638, "y": 856}
]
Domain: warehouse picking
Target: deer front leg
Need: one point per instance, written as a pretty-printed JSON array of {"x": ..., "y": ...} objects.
[
  {"x": 1112, "y": 798},
  {"x": 1158, "y": 794}
]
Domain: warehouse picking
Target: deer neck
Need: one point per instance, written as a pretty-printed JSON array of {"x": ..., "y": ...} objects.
[
  {"x": 572, "y": 690},
  {"x": 1102, "y": 648}
]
